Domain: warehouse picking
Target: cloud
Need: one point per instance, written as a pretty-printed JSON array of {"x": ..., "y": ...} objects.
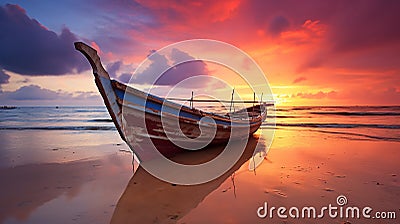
[
  {"x": 122, "y": 18},
  {"x": 83, "y": 96},
  {"x": 370, "y": 95},
  {"x": 135, "y": 24},
  {"x": 300, "y": 79},
  {"x": 29, "y": 48},
  {"x": 359, "y": 36},
  {"x": 33, "y": 92},
  {"x": 368, "y": 28},
  {"x": 120, "y": 71},
  {"x": 318, "y": 95},
  {"x": 278, "y": 25},
  {"x": 178, "y": 11},
  {"x": 3, "y": 77},
  {"x": 125, "y": 77},
  {"x": 172, "y": 75},
  {"x": 159, "y": 63},
  {"x": 113, "y": 68},
  {"x": 36, "y": 95}
]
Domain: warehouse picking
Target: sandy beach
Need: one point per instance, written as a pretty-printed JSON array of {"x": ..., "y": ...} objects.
[
  {"x": 304, "y": 169},
  {"x": 80, "y": 189},
  {"x": 61, "y": 176},
  {"x": 96, "y": 96}
]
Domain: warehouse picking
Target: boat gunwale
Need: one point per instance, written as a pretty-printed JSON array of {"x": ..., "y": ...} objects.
[
  {"x": 125, "y": 88},
  {"x": 109, "y": 88}
]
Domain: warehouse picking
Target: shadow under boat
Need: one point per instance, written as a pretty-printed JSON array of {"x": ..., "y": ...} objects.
[{"x": 148, "y": 199}]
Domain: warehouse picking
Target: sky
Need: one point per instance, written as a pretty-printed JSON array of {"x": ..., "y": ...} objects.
[{"x": 333, "y": 52}]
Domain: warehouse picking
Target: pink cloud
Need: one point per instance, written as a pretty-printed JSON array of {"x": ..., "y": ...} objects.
[
  {"x": 318, "y": 95},
  {"x": 4, "y": 77},
  {"x": 300, "y": 79}
]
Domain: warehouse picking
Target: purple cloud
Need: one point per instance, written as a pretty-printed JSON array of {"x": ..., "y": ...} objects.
[
  {"x": 359, "y": 34},
  {"x": 32, "y": 92},
  {"x": 113, "y": 68},
  {"x": 3, "y": 77},
  {"x": 300, "y": 79},
  {"x": 37, "y": 95},
  {"x": 125, "y": 77},
  {"x": 171, "y": 75},
  {"x": 28, "y": 48},
  {"x": 278, "y": 25},
  {"x": 374, "y": 25},
  {"x": 159, "y": 63}
]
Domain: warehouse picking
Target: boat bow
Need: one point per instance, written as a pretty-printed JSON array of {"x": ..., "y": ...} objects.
[{"x": 103, "y": 82}]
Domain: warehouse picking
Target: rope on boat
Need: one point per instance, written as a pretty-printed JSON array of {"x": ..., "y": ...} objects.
[
  {"x": 214, "y": 101},
  {"x": 191, "y": 101},
  {"x": 232, "y": 102},
  {"x": 219, "y": 101},
  {"x": 230, "y": 108}
]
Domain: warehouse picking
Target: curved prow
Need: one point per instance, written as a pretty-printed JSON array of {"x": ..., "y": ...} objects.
[
  {"x": 93, "y": 58},
  {"x": 103, "y": 83}
]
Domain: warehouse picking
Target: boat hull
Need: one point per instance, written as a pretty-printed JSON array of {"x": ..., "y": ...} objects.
[
  {"x": 153, "y": 134},
  {"x": 150, "y": 122}
]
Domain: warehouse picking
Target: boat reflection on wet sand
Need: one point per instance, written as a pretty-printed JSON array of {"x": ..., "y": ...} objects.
[{"x": 148, "y": 199}]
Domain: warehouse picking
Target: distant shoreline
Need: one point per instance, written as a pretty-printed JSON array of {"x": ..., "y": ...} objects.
[{"x": 7, "y": 107}]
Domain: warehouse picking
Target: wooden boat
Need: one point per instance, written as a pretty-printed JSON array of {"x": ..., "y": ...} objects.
[{"x": 144, "y": 120}]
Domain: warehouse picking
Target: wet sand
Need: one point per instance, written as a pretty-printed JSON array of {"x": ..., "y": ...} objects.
[
  {"x": 82, "y": 185},
  {"x": 303, "y": 168},
  {"x": 309, "y": 169}
]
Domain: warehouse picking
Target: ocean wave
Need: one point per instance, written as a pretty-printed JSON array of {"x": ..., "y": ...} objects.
[
  {"x": 90, "y": 110},
  {"x": 342, "y": 134},
  {"x": 355, "y": 113},
  {"x": 101, "y": 120},
  {"x": 342, "y": 108},
  {"x": 374, "y": 137},
  {"x": 303, "y": 108},
  {"x": 336, "y": 125},
  {"x": 286, "y": 116},
  {"x": 64, "y": 128}
]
